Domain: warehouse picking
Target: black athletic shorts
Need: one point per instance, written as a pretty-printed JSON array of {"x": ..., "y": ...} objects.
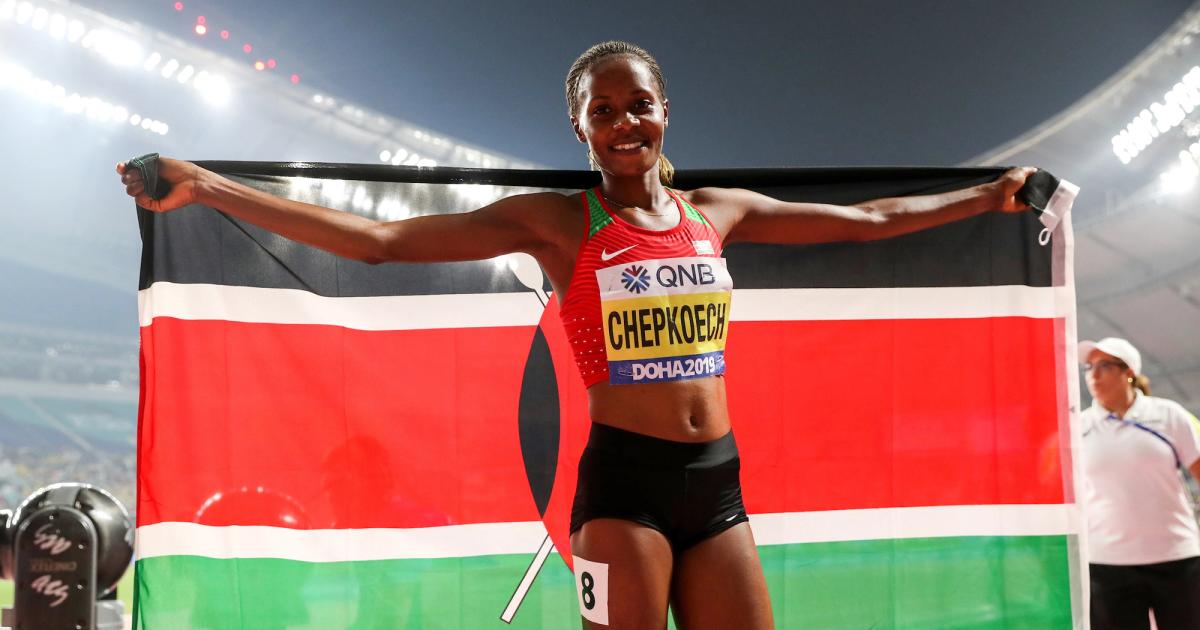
[{"x": 689, "y": 491}]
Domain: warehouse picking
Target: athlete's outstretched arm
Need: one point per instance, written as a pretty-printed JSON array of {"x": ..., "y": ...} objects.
[
  {"x": 749, "y": 216},
  {"x": 503, "y": 227}
]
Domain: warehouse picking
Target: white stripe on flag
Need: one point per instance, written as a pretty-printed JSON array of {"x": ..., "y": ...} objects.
[
  {"x": 457, "y": 541},
  {"x": 915, "y": 522},
  {"x": 338, "y": 545},
  {"x": 900, "y": 303},
  {"x": 293, "y": 306}
]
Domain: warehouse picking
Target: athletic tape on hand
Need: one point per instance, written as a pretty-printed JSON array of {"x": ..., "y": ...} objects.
[
  {"x": 147, "y": 165},
  {"x": 591, "y": 585}
]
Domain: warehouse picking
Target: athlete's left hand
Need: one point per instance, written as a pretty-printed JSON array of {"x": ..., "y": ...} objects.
[{"x": 1008, "y": 185}]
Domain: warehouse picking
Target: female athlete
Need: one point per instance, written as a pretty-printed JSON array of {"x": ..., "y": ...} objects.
[{"x": 658, "y": 518}]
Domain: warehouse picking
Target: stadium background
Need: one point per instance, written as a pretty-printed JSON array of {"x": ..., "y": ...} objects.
[{"x": 82, "y": 85}]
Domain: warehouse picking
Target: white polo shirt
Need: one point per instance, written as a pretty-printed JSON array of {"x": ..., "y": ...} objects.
[{"x": 1138, "y": 510}]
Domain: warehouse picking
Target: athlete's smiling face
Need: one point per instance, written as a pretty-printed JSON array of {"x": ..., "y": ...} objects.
[{"x": 621, "y": 115}]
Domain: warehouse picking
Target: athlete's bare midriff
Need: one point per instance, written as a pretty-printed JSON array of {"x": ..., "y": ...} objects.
[{"x": 682, "y": 411}]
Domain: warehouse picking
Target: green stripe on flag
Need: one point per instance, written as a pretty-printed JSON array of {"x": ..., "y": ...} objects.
[
  {"x": 181, "y": 592},
  {"x": 919, "y": 583},
  {"x": 977, "y": 582}
]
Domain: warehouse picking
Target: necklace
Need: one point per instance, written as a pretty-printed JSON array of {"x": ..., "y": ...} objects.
[{"x": 632, "y": 207}]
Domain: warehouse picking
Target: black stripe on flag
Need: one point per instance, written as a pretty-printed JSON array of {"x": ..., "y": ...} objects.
[{"x": 204, "y": 246}]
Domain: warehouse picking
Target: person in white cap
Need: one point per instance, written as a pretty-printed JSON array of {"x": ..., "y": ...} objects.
[{"x": 1143, "y": 543}]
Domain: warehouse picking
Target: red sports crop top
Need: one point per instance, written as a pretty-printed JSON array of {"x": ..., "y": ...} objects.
[{"x": 647, "y": 306}]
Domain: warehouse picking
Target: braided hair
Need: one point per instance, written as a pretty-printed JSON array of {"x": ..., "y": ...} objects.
[{"x": 599, "y": 52}]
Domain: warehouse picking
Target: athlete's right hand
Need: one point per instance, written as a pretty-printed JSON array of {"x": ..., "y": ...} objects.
[{"x": 183, "y": 177}]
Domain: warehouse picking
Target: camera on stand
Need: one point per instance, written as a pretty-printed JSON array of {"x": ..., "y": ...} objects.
[{"x": 65, "y": 547}]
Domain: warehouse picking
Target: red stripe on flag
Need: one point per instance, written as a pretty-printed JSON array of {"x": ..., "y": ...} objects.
[
  {"x": 417, "y": 428},
  {"x": 337, "y": 427},
  {"x": 834, "y": 415}
]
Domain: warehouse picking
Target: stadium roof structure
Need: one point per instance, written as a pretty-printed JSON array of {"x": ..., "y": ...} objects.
[
  {"x": 81, "y": 89},
  {"x": 152, "y": 67},
  {"x": 1132, "y": 146}
]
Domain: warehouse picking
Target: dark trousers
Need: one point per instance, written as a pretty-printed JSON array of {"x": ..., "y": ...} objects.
[{"x": 1123, "y": 595}]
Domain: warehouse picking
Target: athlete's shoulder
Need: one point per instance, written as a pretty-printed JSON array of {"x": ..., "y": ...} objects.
[
  {"x": 545, "y": 201},
  {"x": 555, "y": 216},
  {"x": 722, "y": 206},
  {"x": 538, "y": 207},
  {"x": 728, "y": 203},
  {"x": 718, "y": 197}
]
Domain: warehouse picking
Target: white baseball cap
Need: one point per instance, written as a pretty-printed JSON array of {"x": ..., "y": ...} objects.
[{"x": 1115, "y": 346}]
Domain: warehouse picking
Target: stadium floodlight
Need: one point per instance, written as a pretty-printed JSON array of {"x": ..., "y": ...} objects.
[
  {"x": 212, "y": 87},
  {"x": 93, "y": 108},
  {"x": 115, "y": 48},
  {"x": 98, "y": 109},
  {"x": 385, "y": 155},
  {"x": 169, "y": 68},
  {"x": 398, "y": 156},
  {"x": 152, "y": 61},
  {"x": 12, "y": 74},
  {"x": 75, "y": 30},
  {"x": 1177, "y": 180},
  {"x": 58, "y": 26},
  {"x": 1182, "y": 176},
  {"x": 74, "y": 103},
  {"x": 1159, "y": 118}
]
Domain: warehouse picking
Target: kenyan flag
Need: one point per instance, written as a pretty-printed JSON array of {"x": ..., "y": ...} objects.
[{"x": 328, "y": 444}]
